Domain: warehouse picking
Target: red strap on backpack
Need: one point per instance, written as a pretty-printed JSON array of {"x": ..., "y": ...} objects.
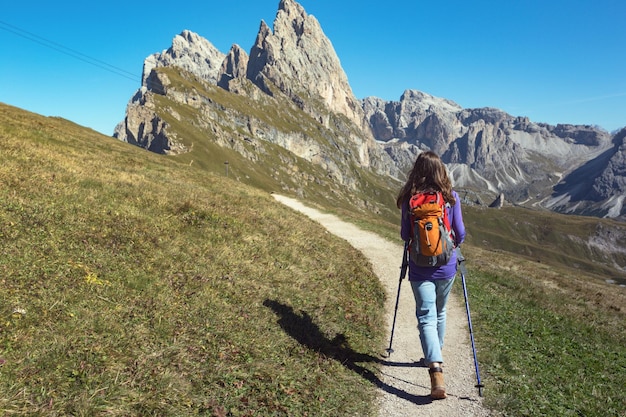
[{"x": 432, "y": 238}]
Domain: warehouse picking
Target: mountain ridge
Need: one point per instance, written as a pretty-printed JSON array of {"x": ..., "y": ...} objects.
[{"x": 488, "y": 151}]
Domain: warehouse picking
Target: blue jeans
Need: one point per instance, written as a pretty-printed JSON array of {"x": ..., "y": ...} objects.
[{"x": 430, "y": 308}]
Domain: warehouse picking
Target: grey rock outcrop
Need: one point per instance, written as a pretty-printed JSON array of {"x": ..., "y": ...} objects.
[
  {"x": 499, "y": 202},
  {"x": 486, "y": 149},
  {"x": 296, "y": 61},
  {"x": 597, "y": 187},
  {"x": 300, "y": 60},
  {"x": 233, "y": 67},
  {"x": 143, "y": 126},
  {"x": 190, "y": 52},
  {"x": 612, "y": 180}
]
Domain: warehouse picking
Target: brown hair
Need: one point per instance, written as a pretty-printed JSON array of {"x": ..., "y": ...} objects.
[{"x": 428, "y": 173}]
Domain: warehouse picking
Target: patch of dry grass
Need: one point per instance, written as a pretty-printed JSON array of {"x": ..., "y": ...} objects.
[{"x": 135, "y": 285}]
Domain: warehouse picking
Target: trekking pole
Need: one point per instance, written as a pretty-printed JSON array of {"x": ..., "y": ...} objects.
[
  {"x": 461, "y": 262},
  {"x": 403, "y": 269}
]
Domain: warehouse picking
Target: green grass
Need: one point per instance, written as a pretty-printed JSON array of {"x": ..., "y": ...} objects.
[
  {"x": 134, "y": 285},
  {"x": 139, "y": 284},
  {"x": 552, "y": 238},
  {"x": 549, "y": 343}
]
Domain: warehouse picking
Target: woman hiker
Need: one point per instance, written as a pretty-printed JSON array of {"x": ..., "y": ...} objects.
[{"x": 431, "y": 285}]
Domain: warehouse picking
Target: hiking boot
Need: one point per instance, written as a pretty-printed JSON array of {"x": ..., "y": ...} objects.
[{"x": 437, "y": 387}]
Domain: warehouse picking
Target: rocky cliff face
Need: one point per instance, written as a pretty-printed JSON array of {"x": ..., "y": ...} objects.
[
  {"x": 142, "y": 125},
  {"x": 489, "y": 150},
  {"x": 191, "y": 53},
  {"x": 611, "y": 183},
  {"x": 596, "y": 187},
  {"x": 578, "y": 169},
  {"x": 296, "y": 61},
  {"x": 301, "y": 61}
]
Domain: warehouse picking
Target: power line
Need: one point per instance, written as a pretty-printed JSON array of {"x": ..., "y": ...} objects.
[{"x": 68, "y": 51}]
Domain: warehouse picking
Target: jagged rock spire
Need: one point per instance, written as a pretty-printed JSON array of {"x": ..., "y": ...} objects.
[
  {"x": 300, "y": 60},
  {"x": 234, "y": 66},
  {"x": 192, "y": 53}
]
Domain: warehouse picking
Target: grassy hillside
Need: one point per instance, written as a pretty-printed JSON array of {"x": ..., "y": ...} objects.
[
  {"x": 132, "y": 284},
  {"x": 587, "y": 246},
  {"x": 139, "y": 284},
  {"x": 551, "y": 341}
]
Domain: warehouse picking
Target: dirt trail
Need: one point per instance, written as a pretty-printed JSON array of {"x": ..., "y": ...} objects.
[{"x": 406, "y": 385}]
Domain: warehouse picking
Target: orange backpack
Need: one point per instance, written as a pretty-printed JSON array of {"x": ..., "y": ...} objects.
[{"x": 432, "y": 238}]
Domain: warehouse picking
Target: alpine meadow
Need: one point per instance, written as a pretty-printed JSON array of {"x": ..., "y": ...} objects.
[
  {"x": 153, "y": 273},
  {"x": 134, "y": 284}
]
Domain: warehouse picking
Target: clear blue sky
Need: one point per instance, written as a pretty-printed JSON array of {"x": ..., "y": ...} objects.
[{"x": 555, "y": 61}]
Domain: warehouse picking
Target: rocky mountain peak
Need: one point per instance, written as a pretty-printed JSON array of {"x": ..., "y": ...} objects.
[
  {"x": 300, "y": 60},
  {"x": 234, "y": 66},
  {"x": 564, "y": 167},
  {"x": 190, "y": 52}
]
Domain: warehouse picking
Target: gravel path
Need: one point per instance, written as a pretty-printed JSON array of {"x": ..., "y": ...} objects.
[{"x": 406, "y": 385}]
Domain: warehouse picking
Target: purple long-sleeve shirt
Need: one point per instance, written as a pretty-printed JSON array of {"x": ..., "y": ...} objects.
[{"x": 421, "y": 273}]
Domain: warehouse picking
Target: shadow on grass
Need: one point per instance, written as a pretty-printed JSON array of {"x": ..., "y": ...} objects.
[{"x": 301, "y": 327}]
